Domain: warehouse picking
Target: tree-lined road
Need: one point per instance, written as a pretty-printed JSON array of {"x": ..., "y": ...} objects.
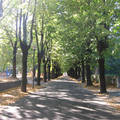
[{"x": 60, "y": 99}]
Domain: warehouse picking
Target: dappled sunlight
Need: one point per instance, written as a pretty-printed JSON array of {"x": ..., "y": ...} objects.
[
  {"x": 59, "y": 101},
  {"x": 71, "y": 99},
  {"x": 41, "y": 106},
  {"x": 85, "y": 108},
  {"x": 64, "y": 81},
  {"x": 96, "y": 102},
  {"x": 9, "y": 110},
  {"x": 42, "y": 43},
  {"x": 7, "y": 95}
]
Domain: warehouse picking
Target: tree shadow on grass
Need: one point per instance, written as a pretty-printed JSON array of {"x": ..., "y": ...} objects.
[{"x": 60, "y": 100}]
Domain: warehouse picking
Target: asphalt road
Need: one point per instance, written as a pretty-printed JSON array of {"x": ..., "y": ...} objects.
[{"x": 61, "y": 99}]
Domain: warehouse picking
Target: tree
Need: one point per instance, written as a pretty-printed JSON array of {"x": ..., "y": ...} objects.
[
  {"x": 40, "y": 42},
  {"x": 13, "y": 43},
  {"x": 69, "y": 35},
  {"x": 39, "y": 54},
  {"x": 43, "y": 31},
  {"x": 24, "y": 42}
]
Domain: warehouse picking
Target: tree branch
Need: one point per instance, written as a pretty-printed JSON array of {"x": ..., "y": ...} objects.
[
  {"x": 31, "y": 30},
  {"x": 20, "y": 22},
  {"x": 36, "y": 35}
]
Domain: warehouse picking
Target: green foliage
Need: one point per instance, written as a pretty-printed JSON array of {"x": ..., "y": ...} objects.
[
  {"x": 70, "y": 28},
  {"x": 112, "y": 65}
]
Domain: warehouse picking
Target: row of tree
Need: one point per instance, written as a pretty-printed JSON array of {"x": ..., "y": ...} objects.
[
  {"x": 76, "y": 35},
  {"x": 88, "y": 31},
  {"x": 30, "y": 24}
]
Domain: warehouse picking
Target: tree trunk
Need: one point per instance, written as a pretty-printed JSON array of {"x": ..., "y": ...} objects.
[
  {"x": 79, "y": 70},
  {"x": 58, "y": 70},
  {"x": 88, "y": 75},
  {"x": 101, "y": 62},
  {"x": 76, "y": 74},
  {"x": 45, "y": 73},
  {"x": 53, "y": 73},
  {"x": 48, "y": 71},
  {"x": 24, "y": 71},
  {"x": 39, "y": 70},
  {"x": 83, "y": 72},
  {"x": 33, "y": 67},
  {"x": 14, "y": 62},
  {"x": 72, "y": 72},
  {"x": 118, "y": 82},
  {"x": 101, "y": 46}
]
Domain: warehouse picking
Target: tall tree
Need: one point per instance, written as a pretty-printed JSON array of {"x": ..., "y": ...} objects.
[
  {"x": 15, "y": 48},
  {"x": 40, "y": 47},
  {"x": 12, "y": 36},
  {"x": 24, "y": 42}
]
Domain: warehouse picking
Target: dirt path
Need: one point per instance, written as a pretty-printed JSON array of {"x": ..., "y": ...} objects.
[{"x": 60, "y": 99}]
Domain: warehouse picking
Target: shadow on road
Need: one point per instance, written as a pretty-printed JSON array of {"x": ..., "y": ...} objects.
[{"x": 60, "y": 100}]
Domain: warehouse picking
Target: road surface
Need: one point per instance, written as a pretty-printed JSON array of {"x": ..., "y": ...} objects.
[{"x": 60, "y": 99}]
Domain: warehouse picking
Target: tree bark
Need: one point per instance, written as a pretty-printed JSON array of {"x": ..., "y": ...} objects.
[
  {"x": 14, "y": 45},
  {"x": 57, "y": 69},
  {"x": 79, "y": 70},
  {"x": 118, "y": 82},
  {"x": 24, "y": 71},
  {"x": 14, "y": 61},
  {"x": 76, "y": 72},
  {"x": 88, "y": 75},
  {"x": 72, "y": 72},
  {"x": 45, "y": 73},
  {"x": 53, "y": 73},
  {"x": 33, "y": 67},
  {"x": 102, "y": 44},
  {"x": 83, "y": 72},
  {"x": 48, "y": 71},
  {"x": 101, "y": 62},
  {"x": 39, "y": 70}
]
